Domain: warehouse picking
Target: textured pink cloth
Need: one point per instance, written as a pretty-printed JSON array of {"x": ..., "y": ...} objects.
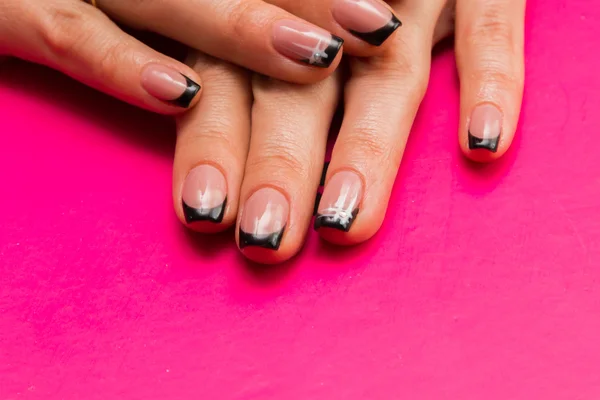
[{"x": 483, "y": 283}]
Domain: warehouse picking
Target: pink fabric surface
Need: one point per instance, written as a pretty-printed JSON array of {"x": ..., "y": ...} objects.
[{"x": 482, "y": 284}]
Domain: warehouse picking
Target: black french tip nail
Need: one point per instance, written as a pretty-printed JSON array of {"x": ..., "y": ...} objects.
[
  {"x": 325, "y": 59},
  {"x": 490, "y": 144},
  {"x": 271, "y": 241},
  {"x": 337, "y": 221},
  {"x": 376, "y": 38},
  {"x": 214, "y": 214},
  {"x": 191, "y": 90},
  {"x": 324, "y": 174},
  {"x": 317, "y": 201}
]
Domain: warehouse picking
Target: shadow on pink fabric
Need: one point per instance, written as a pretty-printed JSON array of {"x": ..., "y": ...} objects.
[{"x": 482, "y": 284}]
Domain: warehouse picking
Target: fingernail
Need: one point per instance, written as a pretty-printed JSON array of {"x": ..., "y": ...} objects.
[
  {"x": 264, "y": 219},
  {"x": 340, "y": 201},
  {"x": 369, "y": 20},
  {"x": 169, "y": 85},
  {"x": 485, "y": 127},
  {"x": 204, "y": 195},
  {"x": 324, "y": 174},
  {"x": 306, "y": 43},
  {"x": 316, "y": 206}
]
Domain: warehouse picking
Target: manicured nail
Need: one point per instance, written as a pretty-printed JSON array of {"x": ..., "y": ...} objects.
[
  {"x": 324, "y": 173},
  {"x": 316, "y": 206},
  {"x": 340, "y": 201},
  {"x": 485, "y": 127},
  {"x": 204, "y": 195},
  {"x": 264, "y": 219},
  {"x": 369, "y": 20},
  {"x": 306, "y": 43},
  {"x": 169, "y": 85}
]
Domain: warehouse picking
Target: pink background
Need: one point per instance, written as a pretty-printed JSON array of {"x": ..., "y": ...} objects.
[{"x": 482, "y": 284}]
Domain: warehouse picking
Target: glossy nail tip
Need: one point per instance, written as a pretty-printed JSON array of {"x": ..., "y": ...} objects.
[
  {"x": 324, "y": 59},
  {"x": 271, "y": 241},
  {"x": 341, "y": 221},
  {"x": 490, "y": 144},
  {"x": 377, "y": 37},
  {"x": 191, "y": 90},
  {"x": 317, "y": 202},
  {"x": 214, "y": 215}
]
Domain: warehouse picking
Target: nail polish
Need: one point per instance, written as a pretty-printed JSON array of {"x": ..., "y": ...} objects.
[
  {"x": 204, "y": 195},
  {"x": 340, "y": 201},
  {"x": 169, "y": 85},
  {"x": 368, "y": 20},
  {"x": 485, "y": 127},
  {"x": 264, "y": 219},
  {"x": 306, "y": 43},
  {"x": 324, "y": 174},
  {"x": 316, "y": 206}
]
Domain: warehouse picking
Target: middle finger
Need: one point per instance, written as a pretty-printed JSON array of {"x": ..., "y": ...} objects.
[
  {"x": 290, "y": 124},
  {"x": 381, "y": 101}
]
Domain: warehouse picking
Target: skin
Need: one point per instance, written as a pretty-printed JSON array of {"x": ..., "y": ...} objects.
[
  {"x": 279, "y": 139},
  {"x": 85, "y": 42}
]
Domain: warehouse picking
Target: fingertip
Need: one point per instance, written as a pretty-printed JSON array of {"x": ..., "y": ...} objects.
[
  {"x": 265, "y": 256},
  {"x": 362, "y": 229},
  {"x": 370, "y": 25},
  {"x": 486, "y": 138},
  {"x": 171, "y": 89}
]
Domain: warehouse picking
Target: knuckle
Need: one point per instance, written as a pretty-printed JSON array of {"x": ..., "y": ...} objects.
[
  {"x": 214, "y": 135},
  {"x": 405, "y": 73},
  {"x": 225, "y": 76},
  {"x": 110, "y": 60},
  {"x": 500, "y": 76},
  {"x": 369, "y": 144},
  {"x": 282, "y": 161},
  {"x": 493, "y": 30},
  {"x": 270, "y": 90},
  {"x": 59, "y": 29},
  {"x": 240, "y": 13}
]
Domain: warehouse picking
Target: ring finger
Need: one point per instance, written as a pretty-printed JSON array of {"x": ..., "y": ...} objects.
[{"x": 381, "y": 101}]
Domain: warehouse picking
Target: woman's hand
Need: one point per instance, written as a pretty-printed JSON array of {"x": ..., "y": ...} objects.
[
  {"x": 259, "y": 165},
  {"x": 81, "y": 41}
]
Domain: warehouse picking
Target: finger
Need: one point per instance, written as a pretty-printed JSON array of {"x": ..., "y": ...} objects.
[
  {"x": 289, "y": 133},
  {"x": 489, "y": 54},
  {"x": 212, "y": 144},
  {"x": 80, "y": 41},
  {"x": 365, "y": 25},
  {"x": 250, "y": 33},
  {"x": 381, "y": 101}
]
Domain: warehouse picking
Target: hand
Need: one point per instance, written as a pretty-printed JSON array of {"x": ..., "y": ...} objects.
[
  {"x": 261, "y": 159},
  {"x": 79, "y": 40}
]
